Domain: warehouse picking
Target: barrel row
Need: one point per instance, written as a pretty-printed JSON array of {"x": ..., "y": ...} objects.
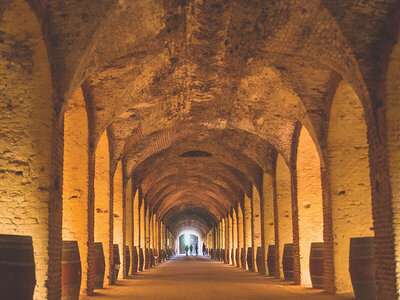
[
  {"x": 17, "y": 266},
  {"x": 361, "y": 264}
]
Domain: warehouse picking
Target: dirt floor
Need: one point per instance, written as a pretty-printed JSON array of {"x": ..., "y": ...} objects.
[{"x": 201, "y": 278}]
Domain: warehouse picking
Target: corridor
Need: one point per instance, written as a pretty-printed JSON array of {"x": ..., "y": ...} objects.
[{"x": 202, "y": 278}]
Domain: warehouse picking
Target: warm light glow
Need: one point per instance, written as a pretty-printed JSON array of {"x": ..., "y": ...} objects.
[{"x": 187, "y": 239}]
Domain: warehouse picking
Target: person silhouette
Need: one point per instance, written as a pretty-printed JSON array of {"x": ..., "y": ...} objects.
[
  {"x": 204, "y": 249},
  {"x": 191, "y": 249},
  {"x": 186, "y": 250},
  {"x": 197, "y": 249}
]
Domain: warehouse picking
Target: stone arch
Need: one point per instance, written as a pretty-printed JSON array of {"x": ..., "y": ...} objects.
[
  {"x": 118, "y": 212},
  {"x": 75, "y": 177},
  {"x": 102, "y": 199},
  {"x": 392, "y": 112},
  {"x": 309, "y": 201},
  {"x": 284, "y": 206},
  {"x": 28, "y": 182},
  {"x": 350, "y": 188}
]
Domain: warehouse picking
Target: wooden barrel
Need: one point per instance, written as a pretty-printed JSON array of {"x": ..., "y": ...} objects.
[
  {"x": 127, "y": 260},
  {"x": 243, "y": 258},
  {"x": 287, "y": 262},
  {"x": 317, "y": 265},
  {"x": 17, "y": 267},
  {"x": 71, "y": 272},
  {"x": 250, "y": 258},
  {"x": 271, "y": 260},
  {"x": 135, "y": 259},
  {"x": 152, "y": 258},
  {"x": 99, "y": 266},
  {"x": 141, "y": 259},
  {"x": 363, "y": 268},
  {"x": 223, "y": 255},
  {"x": 147, "y": 258},
  {"x": 238, "y": 257},
  {"x": 259, "y": 260},
  {"x": 117, "y": 262}
]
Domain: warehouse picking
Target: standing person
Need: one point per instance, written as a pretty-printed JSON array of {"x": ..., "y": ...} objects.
[
  {"x": 204, "y": 249},
  {"x": 186, "y": 250},
  {"x": 191, "y": 249},
  {"x": 197, "y": 250}
]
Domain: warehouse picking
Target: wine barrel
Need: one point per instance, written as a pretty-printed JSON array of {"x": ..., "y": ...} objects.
[
  {"x": 71, "y": 272},
  {"x": 362, "y": 268},
  {"x": 99, "y": 266},
  {"x": 17, "y": 267},
  {"x": 271, "y": 260},
  {"x": 152, "y": 260},
  {"x": 117, "y": 262},
  {"x": 287, "y": 262},
  {"x": 141, "y": 259},
  {"x": 243, "y": 258},
  {"x": 147, "y": 258},
  {"x": 259, "y": 260},
  {"x": 127, "y": 260},
  {"x": 233, "y": 257},
  {"x": 317, "y": 265},
  {"x": 250, "y": 258},
  {"x": 135, "y": 260},
  {"x": 237, "y": 257}
]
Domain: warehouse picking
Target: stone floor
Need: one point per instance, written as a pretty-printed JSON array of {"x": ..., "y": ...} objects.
[{"x": 201, "y": 278}]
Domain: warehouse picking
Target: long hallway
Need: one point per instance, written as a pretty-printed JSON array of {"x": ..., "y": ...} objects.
[{"x": 202, "y": 278}]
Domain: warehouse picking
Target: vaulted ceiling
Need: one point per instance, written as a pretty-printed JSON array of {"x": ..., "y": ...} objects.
[{"x": 198, "y": 97}]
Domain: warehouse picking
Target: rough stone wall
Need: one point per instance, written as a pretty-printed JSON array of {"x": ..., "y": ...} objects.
[
  {"x": 349, "y": 179},
  {"x": 256, "y": 216},
  {"x": 284, "y": 206},
  {"x": 309, "y": 196},
  {"x": 117, "y": 215},
  {"x": 75, "y": 177},
  {"x": 142, "y": 224},
  {"x": 241, "y": 233},
  {"x": 235, "y": 230},
  {"x": 146, "y": 228},
  {"x": 129, "y": 218},
  {"x": 230, "y": 239},
  {"x": 26, "y": 142},
  {"x": 268, "y": 207},
  {"x": 102, "y": 198},
  {"x": 136, "y": 221},
  {"x": 392, "y": 112},
  {"x": 248, "y": 224}
]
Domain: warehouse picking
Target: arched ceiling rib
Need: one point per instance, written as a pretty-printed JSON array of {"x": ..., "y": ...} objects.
[{"x": 232, "y": 78}]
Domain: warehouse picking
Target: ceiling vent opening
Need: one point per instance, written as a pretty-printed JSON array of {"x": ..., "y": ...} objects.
[{"x": 196, "y": 153}]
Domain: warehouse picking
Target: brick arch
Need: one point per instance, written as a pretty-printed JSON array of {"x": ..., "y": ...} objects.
[
  {"x": 391, "y": 115},
  {"x": 30, "y": 143},
  {"x": 225, "y": 181},
  {"x": 168, "y": 146},
  {"x": 333, "y": 57},
  {"x": 75, "y": 178},
  {"x": 348, "y": 178}
]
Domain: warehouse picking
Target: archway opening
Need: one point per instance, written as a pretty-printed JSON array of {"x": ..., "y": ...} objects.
[
  {"x": 350, "y": 188},
  {"x": 309, "y": 197},
  {"x": 190, "y": 240},
  {"x": 75, "y": 178},
  {"x": 26, "y": 141},
  {"x": 102, "y": 199}
]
